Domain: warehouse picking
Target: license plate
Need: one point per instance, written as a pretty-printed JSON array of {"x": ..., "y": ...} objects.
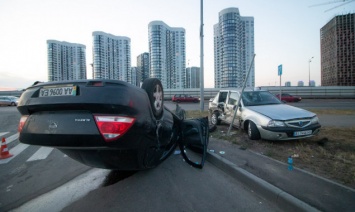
[
  {"x": 58, "y": 91},
  {"x": 299, "y": 133}
]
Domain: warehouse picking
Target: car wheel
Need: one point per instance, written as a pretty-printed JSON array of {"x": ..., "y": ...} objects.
[
  {"x": 214, "y": 119},
  {"x": 13, "y": 104},
  {"x": 155, "y": 92},
  {"x": 253, "y": 132}
]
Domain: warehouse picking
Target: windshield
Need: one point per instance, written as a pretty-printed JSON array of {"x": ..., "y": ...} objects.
[{"x": 254, "y": 98}]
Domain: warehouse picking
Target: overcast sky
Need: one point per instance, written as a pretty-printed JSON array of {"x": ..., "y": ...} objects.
[{"x": 287, "y": 32}]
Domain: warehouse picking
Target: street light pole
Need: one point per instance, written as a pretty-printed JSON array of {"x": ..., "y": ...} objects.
[
  {"x": 202, "y": 98},
  {"x": 309, "y": 71}
]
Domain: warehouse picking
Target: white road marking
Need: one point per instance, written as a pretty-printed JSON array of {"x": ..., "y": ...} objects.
[
  {"x": 41, "y": 154},
  {"x": 12, "y": 138},
  {"x": 62, "y": 196},
  {"x": 14, "y": 151},
  {"x": 3, "y": 133}
]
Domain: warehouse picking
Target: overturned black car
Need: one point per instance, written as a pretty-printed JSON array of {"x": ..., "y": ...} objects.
[{"x": 109, "y": 124}]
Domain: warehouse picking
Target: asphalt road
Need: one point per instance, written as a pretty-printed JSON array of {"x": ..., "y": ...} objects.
[
  {"x": 35, "y": 181},
  {"x": 39, "y": 180},
  {"x": 341, "y": 104}
]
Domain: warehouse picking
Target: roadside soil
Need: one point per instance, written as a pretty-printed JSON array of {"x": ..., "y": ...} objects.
[{"x": 330, "y": 154}]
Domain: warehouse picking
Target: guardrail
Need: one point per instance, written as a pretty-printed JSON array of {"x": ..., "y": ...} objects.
[{"x": 321, "y": 92}]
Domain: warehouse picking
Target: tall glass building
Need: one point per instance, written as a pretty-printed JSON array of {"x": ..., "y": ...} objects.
[
  {"x": 193, "y": 77},
  {"x": 112, "y": 56},
  {"x": 233, "y": 49},
  {"x": 66, "y": 61},
  {"x": 143, "y": 66},
  {"x": 167, "y": 54},
  {"x": 337, "y": 42}
]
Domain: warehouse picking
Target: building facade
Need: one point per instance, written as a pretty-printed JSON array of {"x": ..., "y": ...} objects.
[
  {"x": 338, "y": 51},
  {"x": 143, "y": 66},
  {"x": 167, "y": 54},
  {"x": 193, "y": 77},
  {"x": 66, "y": 61},
  {"x": 112, "y": 56},
  {"x": 233, "y": 49},
  {"x": 135, "y": 77}
]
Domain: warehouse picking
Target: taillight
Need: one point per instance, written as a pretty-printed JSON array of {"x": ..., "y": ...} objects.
[
  {"x": 112, "y": 127},
  {"x": 22, "y": 123}
]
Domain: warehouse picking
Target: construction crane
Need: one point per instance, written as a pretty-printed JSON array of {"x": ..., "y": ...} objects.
[{"x": 341, "y": 3}]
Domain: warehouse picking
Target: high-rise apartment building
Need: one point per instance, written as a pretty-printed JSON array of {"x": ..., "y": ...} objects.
[
  {"x": 112, "y": 56},
  {"x": 233, "y": 49},
  {"x": 193, "y": 77},
  {"x": 135, "y": 76},
  {"x": 167, "y": 54},
  {"x": 143, "y": 66},
  {"x": 66, "y": 61},
  {"x": 338, "y": 51}
]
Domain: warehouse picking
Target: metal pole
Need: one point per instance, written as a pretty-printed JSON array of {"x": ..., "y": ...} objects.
[
  {"x": 202, "y": 98},
  {"x": 309, "y": 71},
  {"x": 240, "y": 97}
]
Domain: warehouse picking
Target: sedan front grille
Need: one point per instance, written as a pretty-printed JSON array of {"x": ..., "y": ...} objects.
[{"x": 298, "y": 123}]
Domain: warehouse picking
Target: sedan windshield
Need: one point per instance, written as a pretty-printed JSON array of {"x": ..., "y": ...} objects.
[{"x": 254, "y": 98}]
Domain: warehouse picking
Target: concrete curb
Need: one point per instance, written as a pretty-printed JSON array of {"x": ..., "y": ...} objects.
[{"x": 270, "y": 192}]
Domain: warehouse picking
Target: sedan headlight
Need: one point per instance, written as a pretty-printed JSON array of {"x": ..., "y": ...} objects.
[
  {"x": 274, "y": 123},
  {"x": 315, "y": 120}
]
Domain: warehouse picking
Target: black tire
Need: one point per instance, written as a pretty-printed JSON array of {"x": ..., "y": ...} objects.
[
  {"x": 214, "y": 118},
  {"x": 13, "y": 104},
  {"x": 155, "y": 92},
  {"x": 253, "y": 132}
]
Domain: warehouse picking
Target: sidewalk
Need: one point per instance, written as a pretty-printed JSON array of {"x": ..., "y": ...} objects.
[{"x": 295, "y": 190}]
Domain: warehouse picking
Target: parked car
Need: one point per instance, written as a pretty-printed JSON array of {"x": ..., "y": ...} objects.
[
  {"x": 184, "y": 98},
  {"x": 285, "y": 97},
  {"x": 109, "y": 123},
  {"x": 262, "y": 115},
  {"x": 8, "y": 100}
]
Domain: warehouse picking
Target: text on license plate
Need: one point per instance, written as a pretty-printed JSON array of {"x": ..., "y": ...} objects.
[
  {"x": 299, "y": 133},
  {"x": 58, "y": 91}
]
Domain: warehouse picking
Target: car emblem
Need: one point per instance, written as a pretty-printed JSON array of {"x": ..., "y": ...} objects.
[
  {"x": 53, "y": 125},
  {"x": 300, "y": 123}
]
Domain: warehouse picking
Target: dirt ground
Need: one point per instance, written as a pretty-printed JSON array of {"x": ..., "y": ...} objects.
[{"x": 330, "y": 154}]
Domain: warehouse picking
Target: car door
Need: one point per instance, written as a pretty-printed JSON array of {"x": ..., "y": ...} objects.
[{"x": 194, "y": 141}]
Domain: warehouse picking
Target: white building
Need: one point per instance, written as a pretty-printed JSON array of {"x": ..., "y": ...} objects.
[
  {"x": 233, "y": 49},
  {"x": 66, "y": 61},
  {"x": 112, "y": 56},
  {"x": 167, "y": 54}
]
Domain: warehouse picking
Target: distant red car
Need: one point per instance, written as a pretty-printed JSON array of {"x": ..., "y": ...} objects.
[
  {"x": 184, "y": 98},
  {"x": 285, "y": 97}
]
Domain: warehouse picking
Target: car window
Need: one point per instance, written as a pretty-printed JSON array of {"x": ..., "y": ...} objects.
[
  {"x": 222, "y": 97},
  {"x": 233, "y": 98},
  {"x": 255, "y": 98}
]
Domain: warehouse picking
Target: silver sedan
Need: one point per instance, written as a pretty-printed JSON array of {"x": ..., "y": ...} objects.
[{"x": 262, "y": 115}]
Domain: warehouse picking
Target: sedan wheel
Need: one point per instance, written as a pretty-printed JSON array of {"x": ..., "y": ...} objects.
[
  {"x": 253, "y": 132},
  {"x": 214, "y": 119},
  {"x": 155, "y": 92}
]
